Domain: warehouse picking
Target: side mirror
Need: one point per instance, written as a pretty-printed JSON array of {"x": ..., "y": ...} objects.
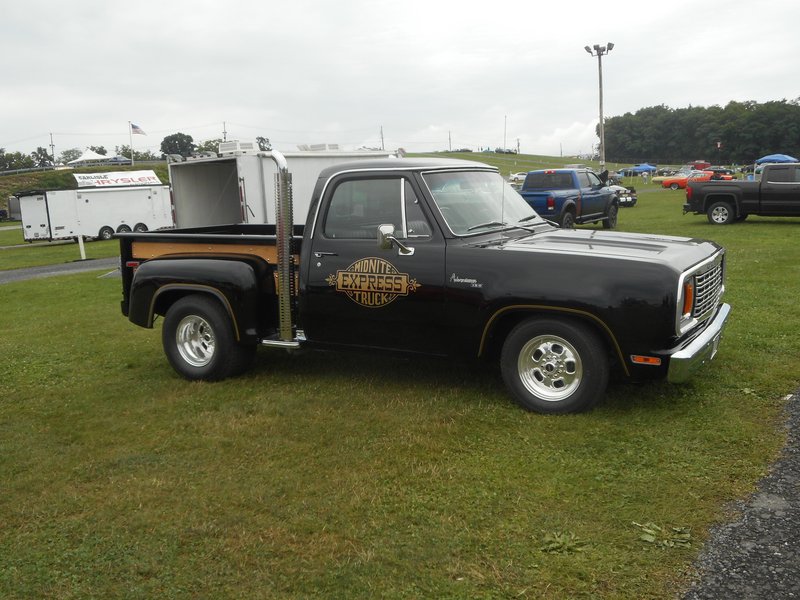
[{"x": 386, "y": 239}]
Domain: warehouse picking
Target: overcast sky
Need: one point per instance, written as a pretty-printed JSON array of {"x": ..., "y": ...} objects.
[{"x": 430, "y": 73}]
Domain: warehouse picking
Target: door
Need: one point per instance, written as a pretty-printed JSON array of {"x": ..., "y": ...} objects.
[
  {"x": 593, "y": 194},
  {"x": 780, "y": 191},
  {"x": 35, "y": 220},
  {"x": 358, "y": 294}
]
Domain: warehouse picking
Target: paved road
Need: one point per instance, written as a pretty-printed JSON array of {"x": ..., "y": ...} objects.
[{"x": 78, "y": 266}]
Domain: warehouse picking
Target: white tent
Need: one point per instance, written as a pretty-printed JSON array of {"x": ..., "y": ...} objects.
[{"x": 88, "y": 157}]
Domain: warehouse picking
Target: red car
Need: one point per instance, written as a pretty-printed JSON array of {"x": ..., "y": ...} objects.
[{"x": 679, "y": 181}]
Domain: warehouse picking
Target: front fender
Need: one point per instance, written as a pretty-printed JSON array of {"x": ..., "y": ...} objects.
[{"x": 160, "y": 282}]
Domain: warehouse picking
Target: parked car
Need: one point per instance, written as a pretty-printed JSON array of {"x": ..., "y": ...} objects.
[
  {"x": 679, "y": 181},
  {"x": 518, "y": 177},
  {"x": 721, "y": 173},
  {"x": 626, "y": 195}
]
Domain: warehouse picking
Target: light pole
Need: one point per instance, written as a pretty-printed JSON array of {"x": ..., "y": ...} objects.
[{"x": 599, "y": 51}]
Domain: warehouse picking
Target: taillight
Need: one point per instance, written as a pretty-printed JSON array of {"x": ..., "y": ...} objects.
[
  {"x": 688, "y": 192},
  {"x": 551, "y": 202}
]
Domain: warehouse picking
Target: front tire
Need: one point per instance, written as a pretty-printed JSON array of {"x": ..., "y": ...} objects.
[
  {"x": 554, "y": 366},
  {"x": 105, "y": 233},
  {"x": 610, "y": 222},
  {"x": 720, "y": 213},
  {"x": 200, "y": 342},
  {"x": 674, "y": 186}
]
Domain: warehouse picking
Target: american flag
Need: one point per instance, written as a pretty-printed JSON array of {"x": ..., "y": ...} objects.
[{"x": 137, "y": 129}]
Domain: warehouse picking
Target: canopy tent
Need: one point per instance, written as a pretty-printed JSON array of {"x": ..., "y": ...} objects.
[
  {"x": 88, "y": 157},
  {"x": 644, "y": 167},
  {"x": 776, "y": 158}
]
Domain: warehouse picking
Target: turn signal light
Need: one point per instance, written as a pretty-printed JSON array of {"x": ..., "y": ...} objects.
[
  {"x": 653, "y": 361},
  {"x": 688, "y": 298}
]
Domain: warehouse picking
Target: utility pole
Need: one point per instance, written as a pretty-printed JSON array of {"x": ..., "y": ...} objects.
[
  {"x": 382, "y": 148},
  {"x": 599, "y": 51},
  {"x": 224, "y": 133},
  {"x": 52, "y": 149},
  {"x": 449, "y": 142}
]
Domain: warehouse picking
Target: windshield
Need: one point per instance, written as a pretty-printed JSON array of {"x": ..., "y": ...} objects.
[{"x": 474, "y": 202}]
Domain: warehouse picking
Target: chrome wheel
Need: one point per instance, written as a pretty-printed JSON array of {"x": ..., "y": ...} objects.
[
  {"x": 550, "y": 367},
  {"x": 720, "y": 214},
  {"x": 195, "y": 340}
]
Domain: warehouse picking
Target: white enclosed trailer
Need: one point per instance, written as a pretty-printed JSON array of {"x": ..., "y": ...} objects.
[
  {"x": 238, "y": 185},
  {"x": 93, "y": 212}
]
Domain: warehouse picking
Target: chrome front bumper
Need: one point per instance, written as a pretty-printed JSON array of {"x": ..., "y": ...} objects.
[{"x": 700, "y": 350}]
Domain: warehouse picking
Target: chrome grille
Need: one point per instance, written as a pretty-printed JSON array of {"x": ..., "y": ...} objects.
[{"x": 708, "y": 287}]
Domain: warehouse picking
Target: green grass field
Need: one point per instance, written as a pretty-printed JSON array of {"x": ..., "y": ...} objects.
[{"x": 359, "y": 476}]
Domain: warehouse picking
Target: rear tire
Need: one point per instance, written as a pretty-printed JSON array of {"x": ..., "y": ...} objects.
[
  {"x": 105, "y": 233},
  {"x": 720, "y": 213},
  {"x": 200, "y": 342},
  {"x": 674, "y": 186},
  {"x": 554, "y": 366},
  {"x": 123, "y": 229},
  {"x": 568, "y": 221},
  {"x": 140, "y": 228}
]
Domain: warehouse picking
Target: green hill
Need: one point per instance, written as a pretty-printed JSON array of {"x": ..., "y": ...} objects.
[{"x": 63, "y": 179}]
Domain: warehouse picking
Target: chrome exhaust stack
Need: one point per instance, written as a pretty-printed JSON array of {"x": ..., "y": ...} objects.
[{"x": 284, "y": 229}]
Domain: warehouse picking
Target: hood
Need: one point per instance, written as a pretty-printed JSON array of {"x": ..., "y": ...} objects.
[{"x": 679, "y": 253}]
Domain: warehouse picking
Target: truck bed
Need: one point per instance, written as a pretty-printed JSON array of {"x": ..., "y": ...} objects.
[{"x": 255, "y": 239}]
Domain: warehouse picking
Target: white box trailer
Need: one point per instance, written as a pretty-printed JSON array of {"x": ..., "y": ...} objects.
[
  {"x": 94, "y": 212},
  {"x": 239, "y": 186}
]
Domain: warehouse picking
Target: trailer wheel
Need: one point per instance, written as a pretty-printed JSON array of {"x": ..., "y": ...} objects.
[
  {"x": 123, "y": 229},
  {"x": 105, "y": 233},
  {"x": 200, "y": 342},
  {"x": 554, "y": 366},
  {"x": 140, "y": 228},
  {"x": 720, "y": 213}
]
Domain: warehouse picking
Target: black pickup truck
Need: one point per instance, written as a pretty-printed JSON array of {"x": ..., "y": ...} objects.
[
  {"x": 775, "y": 194},
  {"x": 435, "y": 257}
]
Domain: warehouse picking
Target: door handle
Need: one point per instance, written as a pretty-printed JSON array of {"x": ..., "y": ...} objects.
[{"x": 321, "y": 254}]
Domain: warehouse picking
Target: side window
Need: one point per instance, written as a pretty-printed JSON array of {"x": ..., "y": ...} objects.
[
  {"x": 359, "y": 206},
  {"x": 417, "y": 225},
  {"x": 594, "y": 180},
  {"x": 583, "y": 179},
  {"x": 778, "y": 174}
]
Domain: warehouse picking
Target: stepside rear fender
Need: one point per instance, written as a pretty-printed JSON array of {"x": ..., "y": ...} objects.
[{"x": 244, "y": 286}]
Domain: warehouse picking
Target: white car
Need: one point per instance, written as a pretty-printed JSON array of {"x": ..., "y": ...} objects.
[{"x": 518, "y": 177}]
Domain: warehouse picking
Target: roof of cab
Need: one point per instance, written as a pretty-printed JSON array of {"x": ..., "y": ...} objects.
[{"x": 404, "y": 164}]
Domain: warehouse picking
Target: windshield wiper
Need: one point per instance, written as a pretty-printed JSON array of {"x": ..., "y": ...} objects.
[
  {"x": 528, "y": 218},
  {"x": 489, "y": 224}
]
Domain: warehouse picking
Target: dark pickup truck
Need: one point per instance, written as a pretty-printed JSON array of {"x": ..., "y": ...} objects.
[
  {"x": 434, "y": 257},
  {"x": 776, "y": 194},
  {"x": 570, "y": 196}
]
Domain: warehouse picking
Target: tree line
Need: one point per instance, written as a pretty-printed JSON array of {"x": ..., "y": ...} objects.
[
  {"x": 176, "y": 143},
  {"x": 739, "y": 133}
]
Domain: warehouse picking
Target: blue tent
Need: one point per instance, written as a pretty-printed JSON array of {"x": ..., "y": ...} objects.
[
  {"x": 642, "y": 168},
  {"x": 776, "y": 158}
]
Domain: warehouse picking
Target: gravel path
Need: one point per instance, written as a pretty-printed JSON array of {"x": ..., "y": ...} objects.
[{"x": 757, "y": 557}]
